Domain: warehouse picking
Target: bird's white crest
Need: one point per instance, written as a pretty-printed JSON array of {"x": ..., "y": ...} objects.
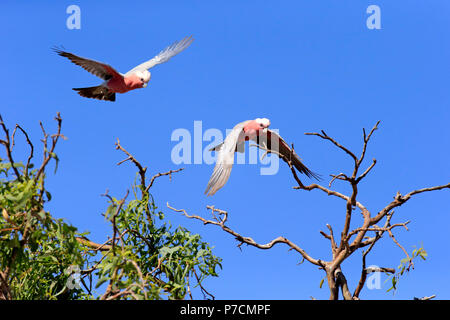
[
  {"x": 143, "y": 74},
  {"x": 264, "y": 121}
]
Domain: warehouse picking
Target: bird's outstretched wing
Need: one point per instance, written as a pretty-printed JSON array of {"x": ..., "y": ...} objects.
[
  {"x": 225, "y": 160},
  {"x": 273, "y": 142},
  {"x": 98, "y": 69},
  {"x": 165, "y": 55}
]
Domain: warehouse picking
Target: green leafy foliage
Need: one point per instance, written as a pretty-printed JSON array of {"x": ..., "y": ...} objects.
[
  {"x": 46, "y": 258},
  {"x": 150, "y": 259},
  {"x": 35, "y": 249},
  {"x": 405, "y": 266}
]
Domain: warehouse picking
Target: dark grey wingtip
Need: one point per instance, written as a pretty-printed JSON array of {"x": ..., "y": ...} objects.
[
  {"x": 314, "y": 175},
  {"x": 59, "y": 50}
]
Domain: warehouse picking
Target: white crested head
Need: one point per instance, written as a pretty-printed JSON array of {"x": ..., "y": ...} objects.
[
  {"x": 264, "y": 122},
  {"x": 144, "y": 76}
]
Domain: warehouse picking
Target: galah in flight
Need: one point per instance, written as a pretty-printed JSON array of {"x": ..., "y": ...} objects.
[
  {"x": 258, "y": 131},
  {"x": 116, "y": 82}
]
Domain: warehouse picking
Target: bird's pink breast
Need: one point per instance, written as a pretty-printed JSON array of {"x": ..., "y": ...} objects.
[
  {"x": 251, "y": 130},
  {"x": 124, "y": 84}
]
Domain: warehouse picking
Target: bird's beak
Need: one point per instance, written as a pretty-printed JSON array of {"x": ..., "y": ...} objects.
[
  {"x": 144, "y": 85},
  {"x": 265, "y": 130}
]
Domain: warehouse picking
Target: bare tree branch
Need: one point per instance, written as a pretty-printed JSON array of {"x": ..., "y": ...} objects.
[
  {"x": 141, "y": 169},
  {"x": 50, "y": 154},
  {"x": 30, "y": 156},
  {"x": 350, "y": 239},
  {"x": 93, "y": 245},
  {"x": 337, "y": 144},
  {"x": 248, "y": 240},
  {"x": 362, "y": 176},
  {"x": 8, "y": 148},
  {"x": 168, "y": 173},
  {"x": 399, "y": 200},
  {"x": 426, "y": 298}
]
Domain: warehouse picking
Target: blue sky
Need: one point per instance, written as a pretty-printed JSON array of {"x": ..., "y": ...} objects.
[{"x": 305, "y": 65}]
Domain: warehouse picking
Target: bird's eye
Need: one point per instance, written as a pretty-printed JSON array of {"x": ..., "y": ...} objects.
[{"x": 142, "y": 79}]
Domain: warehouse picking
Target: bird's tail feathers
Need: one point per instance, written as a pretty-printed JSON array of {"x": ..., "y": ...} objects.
[
  {"x": 98, "y": 92},
  {"x": 303, "y": 169}
]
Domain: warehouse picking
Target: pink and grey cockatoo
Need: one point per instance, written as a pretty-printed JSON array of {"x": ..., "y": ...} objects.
[
  {"x": 116, "y": 82},
  {"x": 258, "y": 131}
]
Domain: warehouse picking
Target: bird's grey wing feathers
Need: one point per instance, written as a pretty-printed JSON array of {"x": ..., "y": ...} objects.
[
  {"x": 165, "y": 55},
  {"x": 98, "y": 69},
  {"x": 279, "y": 145}
]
